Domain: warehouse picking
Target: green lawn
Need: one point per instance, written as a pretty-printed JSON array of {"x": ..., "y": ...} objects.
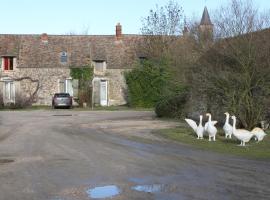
[{"x": 252, "y": 149}]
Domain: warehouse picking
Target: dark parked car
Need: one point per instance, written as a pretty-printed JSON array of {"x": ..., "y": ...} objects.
[{"x": 62, "y": 100}]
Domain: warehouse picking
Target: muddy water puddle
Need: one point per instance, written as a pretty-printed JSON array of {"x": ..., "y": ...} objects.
[
  {"x": 155, "y": 188},
  {"x": 108, "y": 191}
]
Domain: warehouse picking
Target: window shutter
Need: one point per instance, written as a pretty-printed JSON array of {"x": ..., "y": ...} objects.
[{"x": 6, "y": 63}]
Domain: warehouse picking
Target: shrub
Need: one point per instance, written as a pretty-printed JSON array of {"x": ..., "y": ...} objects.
[
  {"x": 147, "y": 83},
  {"x": 172, "y": 106}
]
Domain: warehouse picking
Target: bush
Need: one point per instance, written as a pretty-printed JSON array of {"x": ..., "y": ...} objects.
[
  {"x": 147, "y": 83},
  {"x": 172, "y": 106}
]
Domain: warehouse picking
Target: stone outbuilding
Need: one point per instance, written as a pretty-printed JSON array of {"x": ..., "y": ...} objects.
[{"x": 40, "y": 65}]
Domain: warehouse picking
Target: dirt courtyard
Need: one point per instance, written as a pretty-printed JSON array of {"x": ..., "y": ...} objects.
[{"x": 67, "y": 154}]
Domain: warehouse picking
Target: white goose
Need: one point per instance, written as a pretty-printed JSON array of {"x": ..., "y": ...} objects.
[
  {"x": 210, "y": 128},
  {"x": 241, "y": 134},
  {"x": 259, "y": 133},
  {"x": 228, "y": 129},
  {"x": 199, "y": 130}
]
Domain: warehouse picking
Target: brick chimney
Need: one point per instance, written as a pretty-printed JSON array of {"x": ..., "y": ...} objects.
[
  {"x": 118, "y": 31},
  {"x": 44, "y": 38}
]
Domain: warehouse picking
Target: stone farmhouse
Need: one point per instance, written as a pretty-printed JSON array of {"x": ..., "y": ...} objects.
[{"x": 39, "y": 65}]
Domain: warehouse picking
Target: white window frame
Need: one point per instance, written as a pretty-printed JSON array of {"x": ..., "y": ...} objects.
[{"x": 14, "y": 59}]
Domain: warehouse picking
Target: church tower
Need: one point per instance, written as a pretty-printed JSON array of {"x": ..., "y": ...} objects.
[{"x": 206, "y": 27}]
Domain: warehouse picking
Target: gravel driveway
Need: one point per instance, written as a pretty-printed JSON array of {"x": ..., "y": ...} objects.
[{"x": 71, "y": 155}]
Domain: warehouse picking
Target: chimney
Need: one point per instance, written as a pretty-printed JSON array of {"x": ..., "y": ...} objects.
[
  {"x": 44, "y": 38},
  {"x": 118, "y": 31}
]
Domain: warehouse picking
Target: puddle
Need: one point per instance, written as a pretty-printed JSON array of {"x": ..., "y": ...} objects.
[
  {"x": 5, "y": 160},
  {"x": 103, "y": 192},
  {"x": 149, "y": 188},
  {"x": 62, "y": 115}
]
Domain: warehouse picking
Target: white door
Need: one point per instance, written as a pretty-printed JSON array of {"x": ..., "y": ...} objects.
[
  {"x": 103, "y": 93},
  {"x": 9, "y": 92}
]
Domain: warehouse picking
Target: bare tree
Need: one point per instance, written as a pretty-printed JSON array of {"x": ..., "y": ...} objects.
[
  {"x": 161, "y": 28},
  {"x": 236, "y": 71}
]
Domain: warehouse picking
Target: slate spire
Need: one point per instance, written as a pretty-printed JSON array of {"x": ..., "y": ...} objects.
[{"x": 206, "y": 18}]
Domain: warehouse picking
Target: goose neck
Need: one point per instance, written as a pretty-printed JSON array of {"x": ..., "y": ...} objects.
[
  {"x": 234, "y": 124},
  {"x": 227, "y": 119}
]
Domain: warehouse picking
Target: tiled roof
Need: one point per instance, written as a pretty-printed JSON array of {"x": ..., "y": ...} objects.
[{"x": 31, "y": 51}]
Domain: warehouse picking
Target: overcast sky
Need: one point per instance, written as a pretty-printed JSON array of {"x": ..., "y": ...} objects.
[{"x": 96, "y": 16}]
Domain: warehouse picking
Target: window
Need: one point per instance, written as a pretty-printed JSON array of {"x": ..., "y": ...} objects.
[
  {"x": 100, "y": 66},
  {"x": 9, "y": 91},
  {"x": 8, "y": 63},
  {"x": 63, "y": 57}
]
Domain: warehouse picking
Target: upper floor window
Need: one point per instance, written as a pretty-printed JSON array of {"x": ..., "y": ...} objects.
[
  {"x": 63, "y": 57},
  {"x": 100, "y": 66},
  {"x": 8, "y": 63}
]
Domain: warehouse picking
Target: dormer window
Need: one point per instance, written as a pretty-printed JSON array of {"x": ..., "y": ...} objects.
[
  {"x": 63, "y": 57},
  {"x": 8, "y": 63},
  {"x": 100, "y": 66}
]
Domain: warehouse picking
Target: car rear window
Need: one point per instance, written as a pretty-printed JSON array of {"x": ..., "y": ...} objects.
[{"x": 62, "y": 95}]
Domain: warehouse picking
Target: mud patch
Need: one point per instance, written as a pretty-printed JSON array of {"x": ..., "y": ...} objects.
[
  {"x": 108, "y": 191},
  {"x": 5, "y": 161}
]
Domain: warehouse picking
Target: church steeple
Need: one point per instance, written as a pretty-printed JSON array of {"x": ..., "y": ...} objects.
[
  {"x": 206, "y": 18},
  {"x": 206, "y": 26}
]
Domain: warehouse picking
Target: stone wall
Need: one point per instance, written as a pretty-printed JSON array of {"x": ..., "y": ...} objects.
[
  {"x": 48, "y": 79},
  {"x": 117, "y": 91}
]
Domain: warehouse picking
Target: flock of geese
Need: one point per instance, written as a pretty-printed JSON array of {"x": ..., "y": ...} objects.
[{"x": 229, "y": 130}]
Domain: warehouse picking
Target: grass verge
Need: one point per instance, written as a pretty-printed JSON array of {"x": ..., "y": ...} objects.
[{"x": 253, "y": 149}]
